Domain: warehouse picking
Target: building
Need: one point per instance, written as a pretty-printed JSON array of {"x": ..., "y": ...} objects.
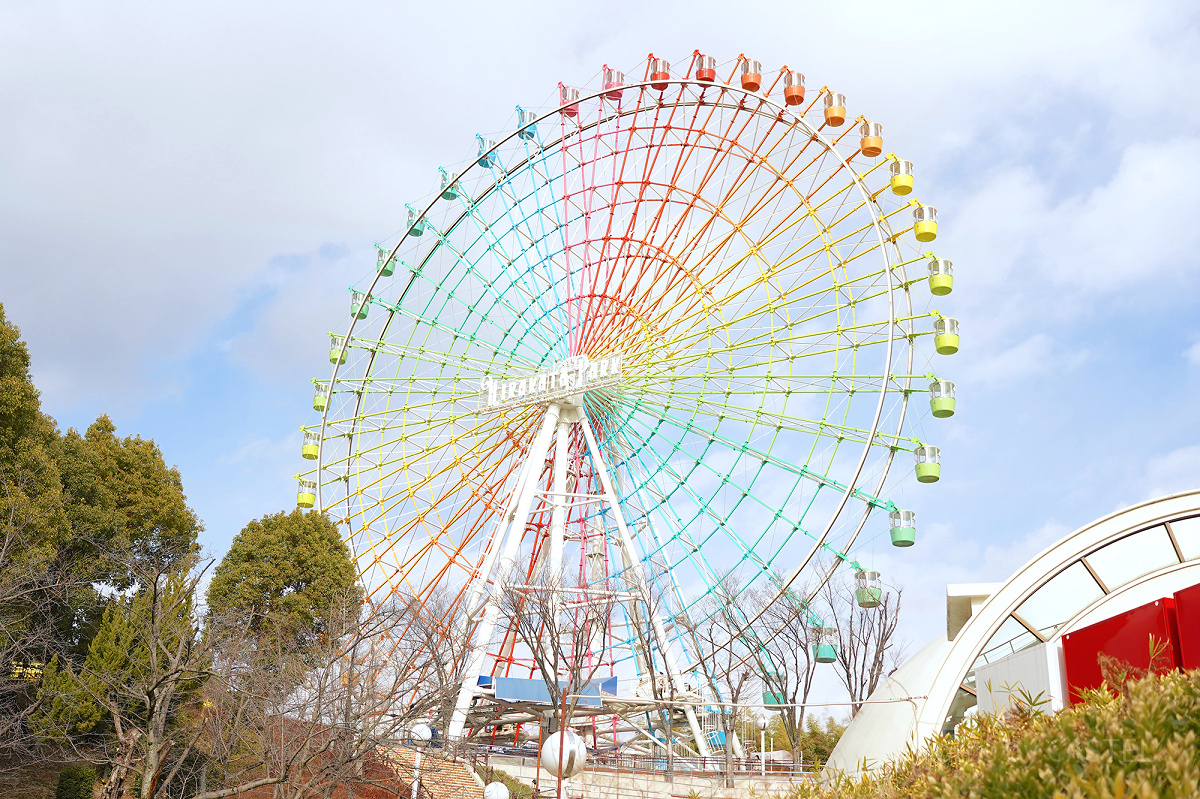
[{"x": 997, "y": 631}]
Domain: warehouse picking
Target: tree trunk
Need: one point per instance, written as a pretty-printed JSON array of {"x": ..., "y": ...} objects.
[
  {"x": 727, "y": 726},
  {"x": 114, "y": 786}
]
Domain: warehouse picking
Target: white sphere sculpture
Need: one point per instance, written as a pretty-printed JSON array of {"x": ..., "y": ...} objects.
[
  {"x": 495, "y": 790},
  {"x": 573, "y": 754},
  {"x": 421, "y": 734}
]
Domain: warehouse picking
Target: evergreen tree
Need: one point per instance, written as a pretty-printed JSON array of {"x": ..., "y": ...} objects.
[
  {"x": 34, "y": 524},
  {"x": 133, "y": 705},
  {"x": 121, "y": 498},
  {"x": 287, "y": 574},
  {"x": 33, "y": 527},
  {"x": 79, "y": 516}
]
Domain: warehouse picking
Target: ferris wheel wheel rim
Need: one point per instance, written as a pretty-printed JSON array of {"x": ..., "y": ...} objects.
[{"x": 798, "y": 120}]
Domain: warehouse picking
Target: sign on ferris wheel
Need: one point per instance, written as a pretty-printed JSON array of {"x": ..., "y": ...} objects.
[{"x": 564, "y": 382}]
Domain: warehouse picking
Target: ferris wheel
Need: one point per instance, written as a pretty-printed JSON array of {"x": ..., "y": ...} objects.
[{"x": 670, "y": 325}]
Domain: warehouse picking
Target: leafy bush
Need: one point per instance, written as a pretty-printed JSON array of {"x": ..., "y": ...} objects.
[
  {"x": 1140, "y": 742},
  {"x": 816, "y": 742},
  {"x": 516, "y": 788},
  {"x": 75, "y": 781}
]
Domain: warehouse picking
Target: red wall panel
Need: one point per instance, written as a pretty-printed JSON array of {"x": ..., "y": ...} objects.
[
  {"x": 1125, "y": 637},
  {"x": 1187, "y": 614}
]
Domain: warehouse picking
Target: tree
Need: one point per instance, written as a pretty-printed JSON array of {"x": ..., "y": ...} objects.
[
  {"x": 646, "y": 605},
  {"x": 127, "y": 517},
  {"x": 558, "y": 622},
  {"x": 725, "y": 661},
  {"x": 866, "y": 649},
  {"x": 123, "y": 500},
  {"x": 784, "y": 655},
  {"x": 435, "y": 623},
  {"x": 127, "y": 707},
  {"x": 32, "y": 530},
  {"x": 305, "y": 722},
  {"x": 82, "y": 518},
  {"x": 284, "y": 573},
  {"x": 815, "y": 742}
]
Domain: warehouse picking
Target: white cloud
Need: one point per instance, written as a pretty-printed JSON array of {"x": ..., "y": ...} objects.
[
  {"x": 1177, "y": 470},
  {"x": 287, "y": 340},
  {"x": 1033, "y": 263},
  {"x": 1036, "y": 355},
  {"x": 1138, "y": 227},
  {"x": 159, "y": 157},
  {"x": 1192, "y": 354}
]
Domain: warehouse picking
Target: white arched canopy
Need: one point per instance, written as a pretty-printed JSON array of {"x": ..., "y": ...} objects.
[{"x": 1118, "y": 562}]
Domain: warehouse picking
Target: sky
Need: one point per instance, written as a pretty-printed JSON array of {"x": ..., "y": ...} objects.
[{"x": 186, "y": 191}]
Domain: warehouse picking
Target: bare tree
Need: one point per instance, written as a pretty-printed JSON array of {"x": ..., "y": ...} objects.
[
  {"x": 784, "y": 655},
  {"x": 331, "y": 717},
  {"x": 435, "y": 624},
  {"x": 866, "y": 649},
  {"x": 559, "y": 623},
  {"x": 136, "y": 687},
  {"x": 645, "y": 605},
  {"x": 169, "y": 701},
  {"x": 725, "y": 659}
]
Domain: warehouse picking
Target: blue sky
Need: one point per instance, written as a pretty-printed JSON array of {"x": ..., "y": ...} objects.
[{"x": 186, "y": 192}]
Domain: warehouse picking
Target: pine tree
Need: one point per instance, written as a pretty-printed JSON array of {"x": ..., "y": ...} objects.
[
  {"x": 123, "y": 499},
  {"x": 286, "y": 573},
  {"x": 133, "y": 702},
  {"x": 33, "y": 527}
]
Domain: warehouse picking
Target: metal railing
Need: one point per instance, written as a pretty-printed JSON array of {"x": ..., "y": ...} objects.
[{"x": 480, "y": 756}]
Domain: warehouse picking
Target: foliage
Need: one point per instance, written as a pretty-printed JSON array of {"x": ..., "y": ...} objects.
[
  {"x": 21, "y": 419},
  {"x": 284, "y": 573},
  {"x": 814, "y": 743},
  {"x": 30, "y": 488},
  {"x": 76, "y": 781},
  {"x": 1142, "y": 742},
  {"x": 32, "y": 530},
  {"x": 122, "y": 498},
  {"x": 98, "y": 579},
  {"x": 130, "y": 705},
  {"x": 65, "y": 706},
  {"x": 66, "y": 504},
  {"x": 516, "y": 788}
]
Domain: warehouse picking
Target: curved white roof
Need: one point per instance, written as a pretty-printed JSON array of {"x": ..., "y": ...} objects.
[{"x": 1118, "y": 562}]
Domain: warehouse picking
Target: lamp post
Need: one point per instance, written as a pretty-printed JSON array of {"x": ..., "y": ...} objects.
[
  {"x": 762, "y": 745},
  {"x": 421, "y": 735}
]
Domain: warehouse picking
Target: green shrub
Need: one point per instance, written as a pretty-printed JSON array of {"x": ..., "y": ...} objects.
[
  {"x": 75, "y": 781},
  {"x": 1142, "y": 742},
  {"x": 516, "y": 788}
]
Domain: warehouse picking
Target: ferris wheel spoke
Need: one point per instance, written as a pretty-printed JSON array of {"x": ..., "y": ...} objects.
[
  {"x": 513, "y": 311},
  {"x": 692, "y": 428},
  {"x": 681, "y": 483},
  {"x": 815, "y": 343},
  {"x": 762, "y": 384},
  {"x": 774, "y": 420},
  {"x": 534, "y": 293}
]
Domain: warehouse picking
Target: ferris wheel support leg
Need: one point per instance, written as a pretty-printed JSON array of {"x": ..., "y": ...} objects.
[
  {"x": 479, "y": 582},
  {"x": 514, "y": 527},
  {"x": 558, "y": 496},
  {"x": 626, "y": 543}
]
